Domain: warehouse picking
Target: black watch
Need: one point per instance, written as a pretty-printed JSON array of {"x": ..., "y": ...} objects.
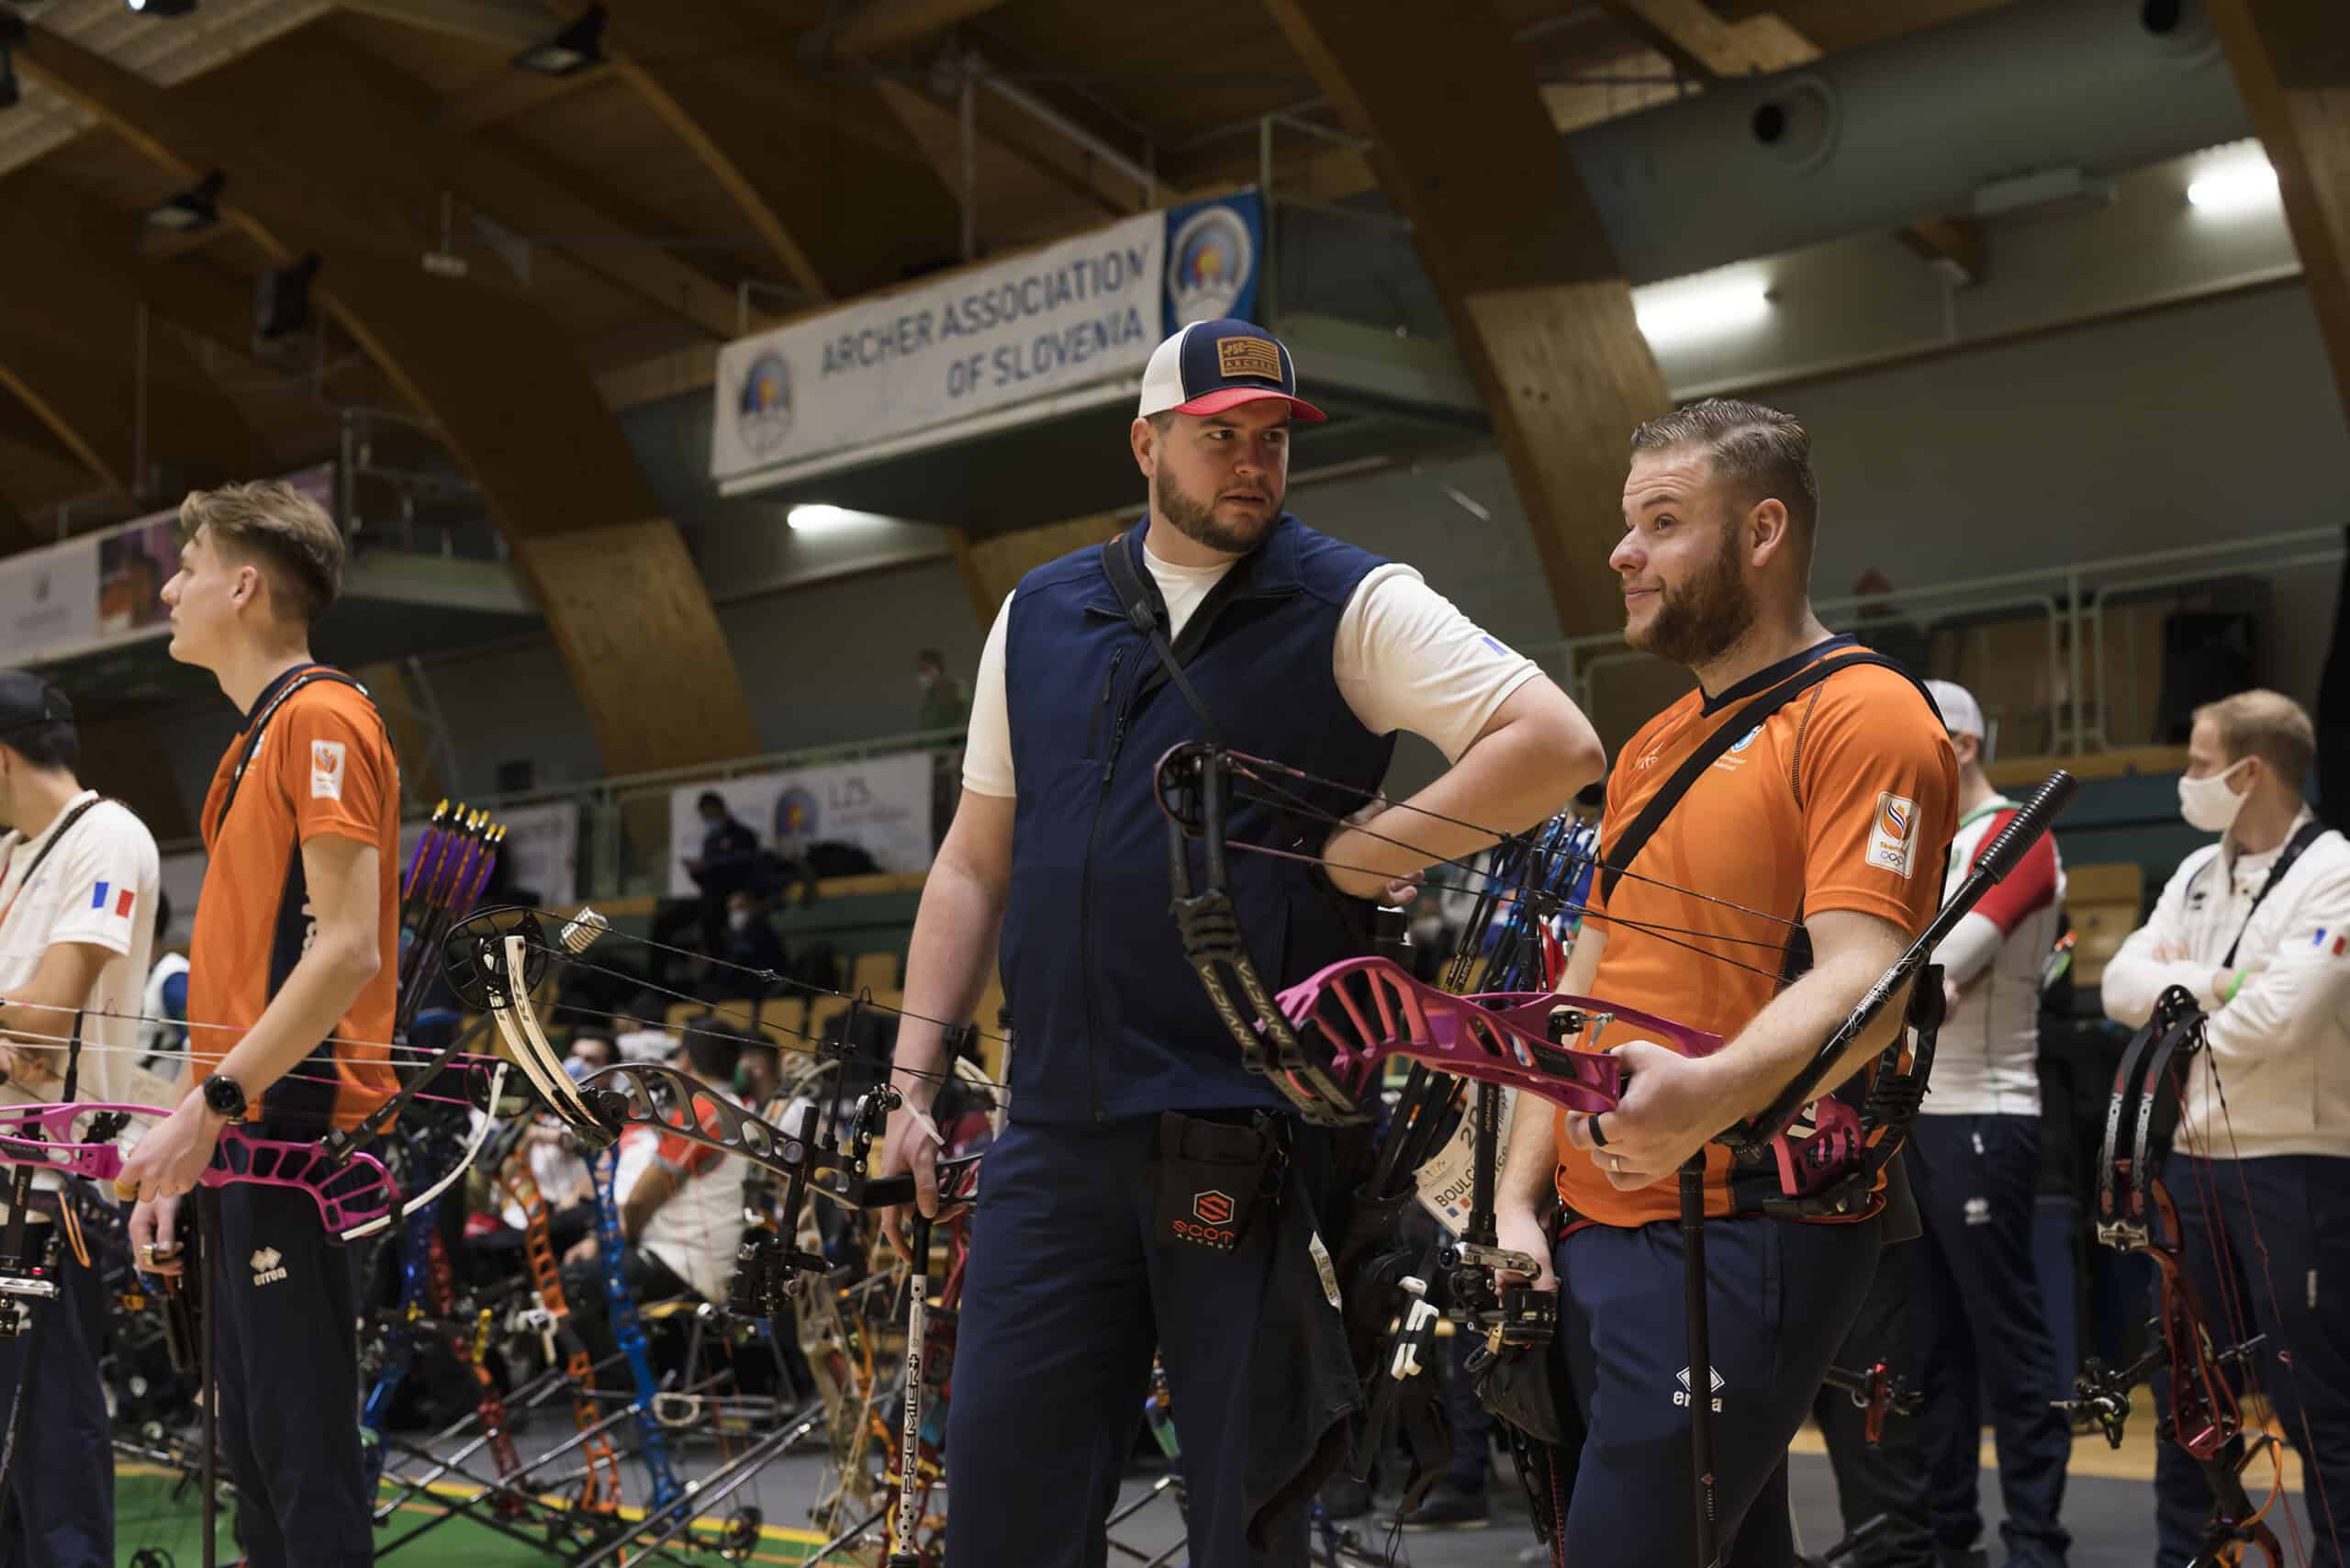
[{"x": 224, "y": 1096}]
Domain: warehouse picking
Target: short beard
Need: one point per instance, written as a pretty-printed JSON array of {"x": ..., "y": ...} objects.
[
  {"x": 1705, "y": 616},
  {"x": 1196, "y": 521}
]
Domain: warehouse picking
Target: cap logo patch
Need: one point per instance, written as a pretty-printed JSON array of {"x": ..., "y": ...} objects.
[{"x": 1247, "y": 356}]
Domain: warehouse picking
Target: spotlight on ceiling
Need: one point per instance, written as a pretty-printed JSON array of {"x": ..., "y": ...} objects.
[
  {"x": 162, "y": 7},
  {"x": 196, "y": 208},
  {"x": 813, "y": 515},
  {"x": 2236, "y": 186},
  {"x": 579, "y": 45}
]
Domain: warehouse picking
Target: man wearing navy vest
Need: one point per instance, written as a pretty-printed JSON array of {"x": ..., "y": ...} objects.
[{"x": 1294, "y": 646}]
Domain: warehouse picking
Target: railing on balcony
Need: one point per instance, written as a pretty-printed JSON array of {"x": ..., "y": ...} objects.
[{"x": 2066, "y": 659}]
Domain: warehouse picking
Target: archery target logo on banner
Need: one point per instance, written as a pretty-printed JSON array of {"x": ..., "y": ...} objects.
[
  {"x": 763, "y": 404},
  {"x": 1211, "y": 259}
]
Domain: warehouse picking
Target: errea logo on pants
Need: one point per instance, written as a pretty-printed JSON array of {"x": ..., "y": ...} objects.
[
  {"x": 1681, "y": 1395},
  {"x": 268, "y": 1266}
]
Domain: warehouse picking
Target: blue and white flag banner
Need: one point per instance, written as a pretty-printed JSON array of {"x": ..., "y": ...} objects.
[{"x": 1067, "y": 315}]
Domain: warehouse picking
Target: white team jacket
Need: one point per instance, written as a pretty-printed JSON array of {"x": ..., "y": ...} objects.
[{"x": 2282, "y": 1045}]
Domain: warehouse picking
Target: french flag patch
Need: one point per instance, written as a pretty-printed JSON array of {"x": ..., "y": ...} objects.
[{"x": 122, "y": 897}]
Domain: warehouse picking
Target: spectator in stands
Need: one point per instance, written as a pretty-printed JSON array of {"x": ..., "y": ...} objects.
[
  {"x": 2258, "y": 926},
  {"x": 944, "y": 706},
  {"x": 728, "y": 861},
  {"x": 758, "y": 1074},
  {"x": 591, "y": 1045},
  {"x": 682, "y": 1214},
  {"x": 751, "y": 945},
  {"x": 163, "y": 999},
  {"x": 1979, "y": 1323}
]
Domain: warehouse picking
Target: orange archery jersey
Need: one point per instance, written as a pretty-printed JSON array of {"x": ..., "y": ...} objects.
[
  {"x": 1845, "y": 799},
  {"x": 324, "y": 766}
]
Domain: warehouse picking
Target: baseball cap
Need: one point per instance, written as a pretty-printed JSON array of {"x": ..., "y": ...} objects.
[
  {"x": 26, "y": 699},
  {"x": 1210, "y": 366},
  {"x": 1962, "y": 715}
]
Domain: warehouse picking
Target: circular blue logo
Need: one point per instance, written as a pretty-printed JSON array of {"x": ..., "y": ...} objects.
[{"x": 1209, "y": 263}]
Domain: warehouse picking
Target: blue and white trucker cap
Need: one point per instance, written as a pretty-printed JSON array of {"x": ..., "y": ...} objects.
[{"x": 1210, "y": 366}]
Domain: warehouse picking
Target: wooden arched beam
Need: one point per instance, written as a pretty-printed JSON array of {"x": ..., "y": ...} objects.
[
  {"x": 2291, "y": 60},
  {"x": 773, "y": 141},
  {"x": 620, "y": 595},
  {"x": 1512, "y": 241},
  {"x": 71, "y": 330}
]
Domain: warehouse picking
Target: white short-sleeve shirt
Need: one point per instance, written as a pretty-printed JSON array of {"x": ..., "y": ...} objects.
[
  {"x": 97, "y": 886},
  {"x": 1406, "y": 659}
]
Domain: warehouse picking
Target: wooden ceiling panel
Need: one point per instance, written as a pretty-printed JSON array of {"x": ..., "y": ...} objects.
[
  {"x": 440, "y": 61},
  {"x": 1154, "y": 76}
]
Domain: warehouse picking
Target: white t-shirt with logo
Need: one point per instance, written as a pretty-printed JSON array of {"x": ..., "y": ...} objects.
[
  {"x": 1406, "y": 659},
  {"x": 97, "y": 886}
]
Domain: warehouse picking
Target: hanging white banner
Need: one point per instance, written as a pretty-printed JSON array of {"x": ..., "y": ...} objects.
[
  {"x": 1044, "y": 321},
  {"x": 881, "y": 804}
]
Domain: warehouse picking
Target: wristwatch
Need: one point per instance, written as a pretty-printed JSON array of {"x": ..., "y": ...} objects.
[{"x": 224, "y": 1096}]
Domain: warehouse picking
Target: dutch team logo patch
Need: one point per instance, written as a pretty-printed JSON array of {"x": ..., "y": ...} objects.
[
  {"x": 120, "y": 899},
  {"x": 326, "y": 770},
  {"x": 1894, "y": 834}
]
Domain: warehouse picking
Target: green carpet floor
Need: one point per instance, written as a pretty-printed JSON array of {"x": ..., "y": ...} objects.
[{"x": 148, "y": 1520}]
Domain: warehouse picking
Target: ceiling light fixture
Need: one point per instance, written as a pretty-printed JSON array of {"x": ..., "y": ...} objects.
[
  {"x": 813, "y": 515},
  {"x": 579, "y": 45},
  {"x": 162, "y": 7},
  {"x": 196, "y": 208},
  {"x": 1701, "y": 307},
  {"x": 2240, "y": 185}
]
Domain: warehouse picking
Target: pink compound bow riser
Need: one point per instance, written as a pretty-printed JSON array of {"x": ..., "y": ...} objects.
[{"x": 349, "y": 1195}]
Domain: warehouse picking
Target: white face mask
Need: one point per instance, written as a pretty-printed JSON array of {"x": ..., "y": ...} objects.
[
  {"x": 740, "y": 919},
  {"x": 2208, "y": 803}
]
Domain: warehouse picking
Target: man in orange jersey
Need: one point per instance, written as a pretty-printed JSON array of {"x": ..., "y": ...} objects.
[
  {"x": 1798, "y": 865},
  {"x": 291, "y": 978}
]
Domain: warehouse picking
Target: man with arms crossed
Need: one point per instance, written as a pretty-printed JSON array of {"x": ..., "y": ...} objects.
[
  {"x": 2258, "y": 926},
  {"x": 1300, "y": 648},
  {"x": 78, "y": 881},
  {"x": 1828, "y": 820},
  {"x": 292, "y": 974}
]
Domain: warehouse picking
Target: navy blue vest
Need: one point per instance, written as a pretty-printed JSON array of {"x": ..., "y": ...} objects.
[{"x": 1108, "y": 1019}]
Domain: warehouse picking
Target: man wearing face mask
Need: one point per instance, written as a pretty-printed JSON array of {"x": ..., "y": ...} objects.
[{"x": 2258, "y": 927}]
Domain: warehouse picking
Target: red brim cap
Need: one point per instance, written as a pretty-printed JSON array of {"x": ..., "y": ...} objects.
[{"x": 1225, "y": 397}]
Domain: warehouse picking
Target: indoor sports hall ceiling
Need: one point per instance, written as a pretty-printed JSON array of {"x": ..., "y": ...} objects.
[{"x": 651, "y": 175}]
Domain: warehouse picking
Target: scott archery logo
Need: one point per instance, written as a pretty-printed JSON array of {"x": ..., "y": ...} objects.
[
  {"x": 268, "y": 1266},
  {"x": 1210, "y": 1224},
  {"x": 1681, "y": 1395}
]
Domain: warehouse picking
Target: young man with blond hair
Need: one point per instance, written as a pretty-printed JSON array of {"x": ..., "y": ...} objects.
[
  {"x": 2258, "y": 926},
  {"x": 292, "y": 968}
]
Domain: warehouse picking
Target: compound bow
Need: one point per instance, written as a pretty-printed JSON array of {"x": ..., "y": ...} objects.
[
  {"x": 2137, "y": 1212},
  {"x": 1321, "y": 1042}
]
